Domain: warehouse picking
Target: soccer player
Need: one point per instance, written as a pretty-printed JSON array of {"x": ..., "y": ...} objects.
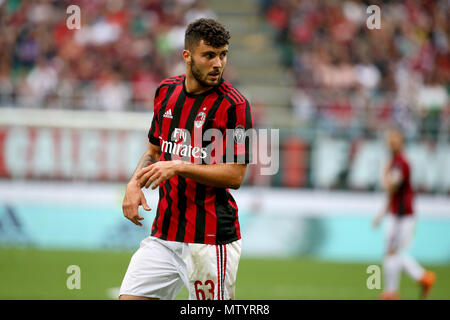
[
  {"x": 195, "y": 238},
  {"x": 401, "y": 223}
]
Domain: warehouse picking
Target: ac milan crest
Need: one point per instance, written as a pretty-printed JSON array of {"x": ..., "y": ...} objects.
[
  {"x": 239, "y": 134},
  {"x": 200, "y": 119}
]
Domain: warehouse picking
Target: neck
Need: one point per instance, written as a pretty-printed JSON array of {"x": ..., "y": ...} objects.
[
  {"x": 395, "y": 153},
  {"x": 193, "y": 86}
]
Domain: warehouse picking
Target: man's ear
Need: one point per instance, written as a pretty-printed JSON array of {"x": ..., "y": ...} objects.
[{"x": 187, "y": 56}]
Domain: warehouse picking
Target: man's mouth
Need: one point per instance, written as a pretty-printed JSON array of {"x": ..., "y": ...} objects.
[{"x": 214, "y": 75}]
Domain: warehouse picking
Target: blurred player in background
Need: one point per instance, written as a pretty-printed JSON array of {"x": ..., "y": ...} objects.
[
  {"x": 195, "y": 238},
  {"x": 401, "y": 223}
]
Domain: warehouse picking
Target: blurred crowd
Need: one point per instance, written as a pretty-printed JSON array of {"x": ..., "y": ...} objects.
[
  {"x": 113, "y": 62},
  {"x": 348, "y": 76}
]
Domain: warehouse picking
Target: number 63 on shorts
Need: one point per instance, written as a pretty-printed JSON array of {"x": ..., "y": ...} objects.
[
  {"x": 212, "y": 270},
  {"x": 160, "y": 268}
]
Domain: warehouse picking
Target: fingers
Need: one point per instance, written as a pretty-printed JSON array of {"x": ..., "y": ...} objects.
[
  {"x": 143, "y": 180},
  {"x": 131, "y": 213},
  {"x": 157, "y": 183},
  {"x": 144, "y": 202},
  {"x": 130, "y": 207},
  {"x": 147, "y": 179},
  {"x": 143, "y": 171},
  {"x": 375, "y": 223},
  {"x": 150, "y": 180},
  {"x": 136, "y": 219},
  {"x": 153, "y": 176}
]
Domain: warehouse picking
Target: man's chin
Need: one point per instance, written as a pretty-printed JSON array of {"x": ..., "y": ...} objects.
[
  {"x": 214, "y": 83},
  {"x": 210, "y": 83}
]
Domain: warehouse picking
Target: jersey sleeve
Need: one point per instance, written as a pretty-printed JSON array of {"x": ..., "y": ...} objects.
[
  {"x": 239, "y": 137},
  {"x": 153, "y": 133}
]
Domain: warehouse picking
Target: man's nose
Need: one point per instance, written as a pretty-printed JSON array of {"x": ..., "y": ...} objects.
[{"x": 217, "y": 63}]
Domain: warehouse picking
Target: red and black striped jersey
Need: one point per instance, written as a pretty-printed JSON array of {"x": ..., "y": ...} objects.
[
  {"x": 189, "y": 211},
  {"x": 403, "y": 198}
]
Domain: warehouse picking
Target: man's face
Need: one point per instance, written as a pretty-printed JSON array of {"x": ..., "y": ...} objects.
[
  {"x": 207, "y": 64},
  {"x": 395, "y": 140}
]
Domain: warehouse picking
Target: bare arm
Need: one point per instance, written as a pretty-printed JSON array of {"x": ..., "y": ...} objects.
[
  {"x": 226, "y": 175},
  {"x": 383, "y": 212},
  {"x": 150, "y": 157},
  {"x": 134, "y": 197},
  {"x": 392, "y": 180}
]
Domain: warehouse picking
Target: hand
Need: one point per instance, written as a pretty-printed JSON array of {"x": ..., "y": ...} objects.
[
  {"x": 134, "y": 197},
  {"x": 377, "y": 220},
  {"x": 157, "y": 173}
]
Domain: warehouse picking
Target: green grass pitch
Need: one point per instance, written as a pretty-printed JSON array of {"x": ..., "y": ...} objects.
[{"x": 38, "y": 274}]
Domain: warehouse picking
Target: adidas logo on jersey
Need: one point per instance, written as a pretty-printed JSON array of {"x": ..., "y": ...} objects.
[{"x": 168, "y": 114}]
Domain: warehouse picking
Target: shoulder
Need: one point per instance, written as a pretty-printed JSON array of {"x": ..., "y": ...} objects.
[
  {"x": 162, "y": 88},
  {"x": 402, "y": 158},
  {"x": 403, "y": 162},
  {"x": 237, "y": 111},
  {"x": 172, "y": 81},
  {"x": 232, "y": 94}
]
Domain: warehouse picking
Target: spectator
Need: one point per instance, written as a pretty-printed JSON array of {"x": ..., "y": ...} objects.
[
  {"x": 114, "y": 62},
  {"x": 334, "y": 53}
]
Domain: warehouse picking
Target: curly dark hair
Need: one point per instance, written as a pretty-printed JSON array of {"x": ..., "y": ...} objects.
[{"x": 209, "y": 30}]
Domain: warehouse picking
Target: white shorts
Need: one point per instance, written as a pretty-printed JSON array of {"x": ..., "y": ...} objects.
[
  {"x": 160, "y": 268},
  {"x": 399, "y": 232}
]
